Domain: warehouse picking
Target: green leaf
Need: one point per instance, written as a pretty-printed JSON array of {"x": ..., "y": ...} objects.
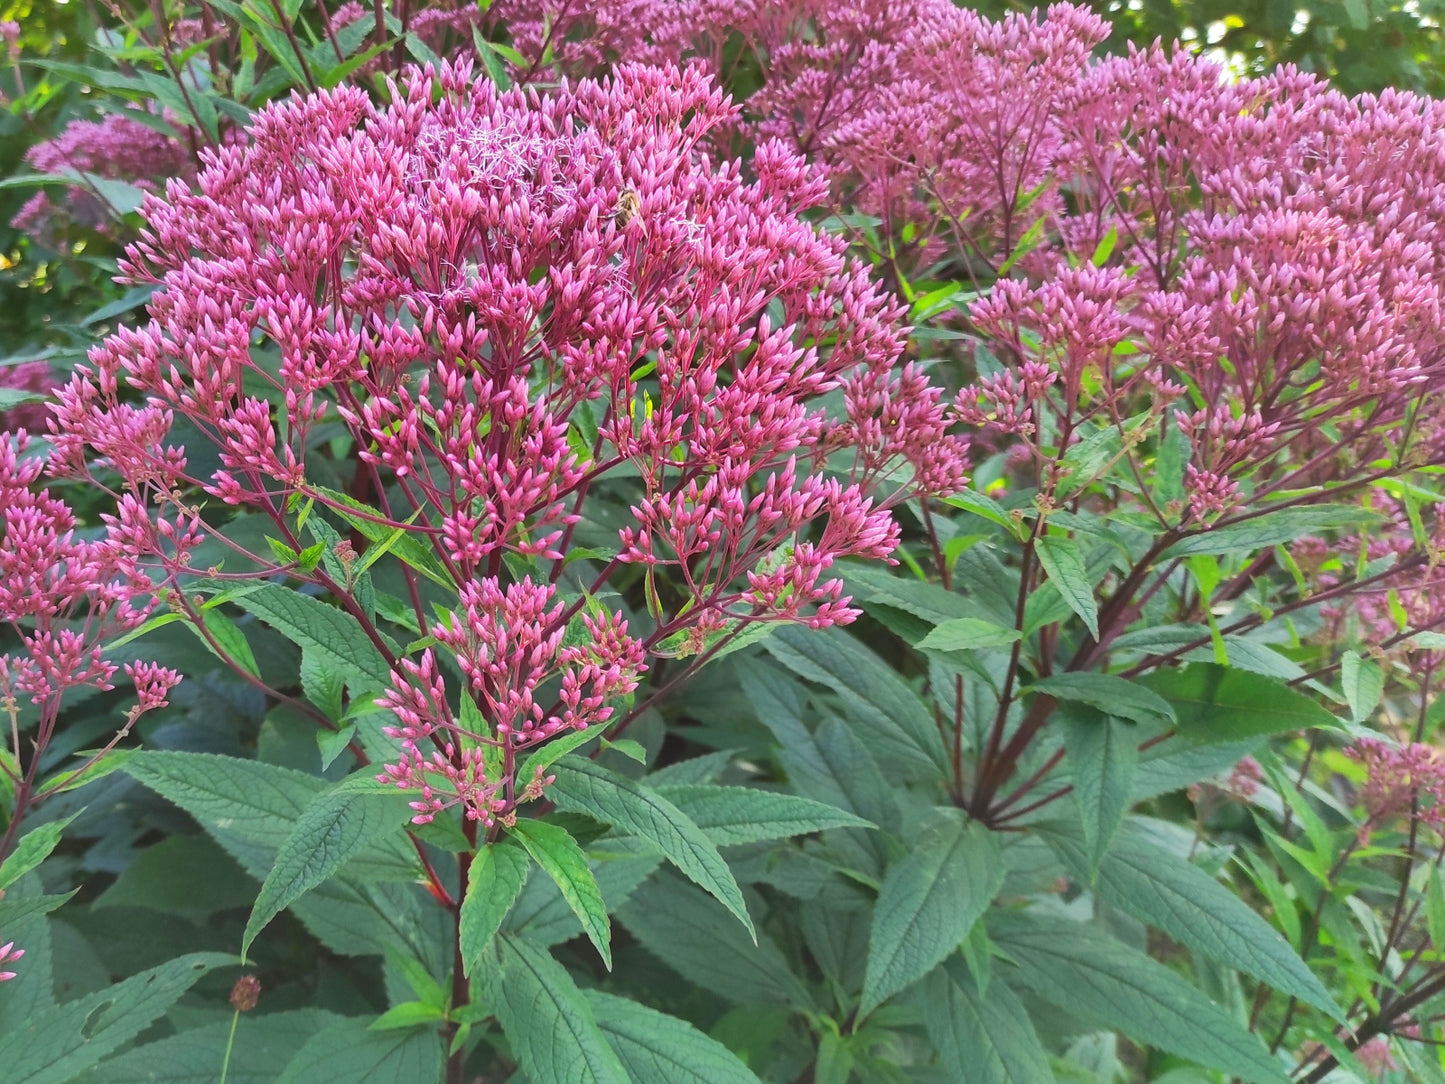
[
  {"x": 1364, "y": 684},
  {"x": 734, "y": 815},
  {"x": 1435, "y": 907},
  {"x": 929, "y": 901},
  {"x": 264, "y": 1044},
  {"x": 967, "y": 634},
  {"x": 547, "y": 1020},
  {"x": 981, "y": 1039},
  {"x": 332, "y": 635},
  {"x": 184, "y": 875},
  {"x": 494, "y": 881},
  {"x": 410, "y": 548},
  {"x": 585, "y": 787},
  {"x": 544, "y": 918},
  {"x": 1284, "y": 525},
  {"x": 1102, "y": 753},
  {"x": 987, "y": 508},
  {"x": 60, "y": 1044},
  {"x": 1220, "y": 704},
  {"x": 1181, "y": 900},
  {"x": 1064, "y": 564},
  {"x": 409, "y": 1014},
  {"x": 1108, "y": 693},
  {"x": 1105, "y": 982},
  {"x": 34, "y": 847},
  {"x": 895, "y": 723},
  {"x": 694, "y": 935},
  {"x": 560, "y": 857},
  {"x": 349, "y": 1051},
  {"x": 17, "y": 910},
  {"x": 659, "y": 1049},
  {"x": 555, "y": 750},
  {"x": 335, "y": 827}
]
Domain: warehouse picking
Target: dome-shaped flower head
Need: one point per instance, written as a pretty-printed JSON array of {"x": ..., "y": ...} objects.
[{"x": 505, "y": 300}]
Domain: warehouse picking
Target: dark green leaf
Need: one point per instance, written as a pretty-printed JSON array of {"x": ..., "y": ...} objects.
[
  {"x": 734, "y": 815},
  {"x": 265, "y": 1043},
  {"x": 60, "y": 1044},
  {"x": 333, "y": 635},
  {"x": 1102, "y": 753},
  {"x": 335, "y": 827},
  {"x": 1219, "y": 704},
  {"x": 553, "y": 1033},
  {"x": 1180, "y": 899},
  {"x": 1108, "y": 693},
  {"x": 967, "y": 634},
  {"x": 494, "y": 881},
  {"x": 659, "y": 1049},
  {"x": 981, "y": 1039},
  {"x": 1103, "y": 981},
  {"x": 349, "y": 1051},
  {"x": 585, "y": 787},
  {"x": 694, "y": 936},
  {"x": 929, "y": 901},
  {"x": 894, "y": 721},
  {"x": 554, "y": 849},
  {"x": 1284, "y": 525},
  {"x": 1064, "y": 564}
]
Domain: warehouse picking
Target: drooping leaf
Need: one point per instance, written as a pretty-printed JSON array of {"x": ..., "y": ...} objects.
[
  {"x": 734, "y": 815},
  {"x": 494, "y": 881},
  {"x": 1180, "y": 899},
  {"x": 61, "y": 1043},
  {"x": 585, "y": 787},
  {"x": 981, "y": 1038},
  {"x": 560, "y": 857},
  {"x": 548, "y": 1022},
  {"x": 929, "y": 901},
  {"x": 1064, "y": 564},
  {"x": 659, "y": 1049},
  {"x": 1105, "y": 982},
  {"x": 1102, "y": 753},
  {"x": 349, "y": 1050},
  {"x": 334, "y": 828}
]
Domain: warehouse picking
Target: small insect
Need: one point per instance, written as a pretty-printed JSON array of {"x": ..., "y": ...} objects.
[{"x": 628, "y": 204}]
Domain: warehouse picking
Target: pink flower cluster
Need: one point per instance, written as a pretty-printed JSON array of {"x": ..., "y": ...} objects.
[
  {"x": 8, "y": 955},
  {"x": 510, "y": 302},
  {"x": 117, "y": 148},
  {"x": 65, "y": 596},
  {"x": 1270, "y": 274},
  {"x": 1400, "y": 781}
]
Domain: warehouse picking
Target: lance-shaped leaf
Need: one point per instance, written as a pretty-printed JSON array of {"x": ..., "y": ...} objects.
[
  {"x": 585, "y": 787},
  {"x": 494, "y": 881},
  {"x": 659, "y": 1049},
  {"x": 547, "y": 1020},
  {"x": 562, "y": 859},
  {"x": 929, "y": 901}
]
